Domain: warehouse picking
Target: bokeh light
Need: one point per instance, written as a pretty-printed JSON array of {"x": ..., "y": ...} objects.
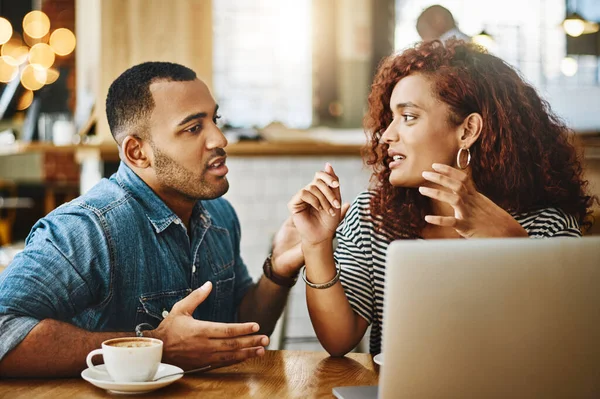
[
  {"x": 8, "y": 69},
  {"x": 52, "y": 75},
  {"x": 569, "y": 66},
  {"x": 41, "y": 54},
  {"x": 34, "y": 77},
  {"x": 16, "y": 49},
  {"x": 62, "y": 41},
  {"x": 30, "y": 41},
  {"x": 6, "y": 30},
  {"x": 36, "y": 24},
  {"x": 25, "y": 100}
]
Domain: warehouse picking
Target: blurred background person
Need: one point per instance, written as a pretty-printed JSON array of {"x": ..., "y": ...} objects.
[{"x": 437, "y": 22}]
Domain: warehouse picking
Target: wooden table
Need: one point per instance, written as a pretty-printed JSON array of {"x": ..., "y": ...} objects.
[{"x": 279, "y": 374}]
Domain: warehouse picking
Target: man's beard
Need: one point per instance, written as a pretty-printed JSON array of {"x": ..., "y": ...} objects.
[{"x": 173, "y": 176}]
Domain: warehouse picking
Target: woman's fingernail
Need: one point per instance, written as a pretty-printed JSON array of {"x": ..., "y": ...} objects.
[
  {"x": 255, "y": 328},
  {"x": 427, "y": 174},
  {"x": 336, "y": 203},
  {"x": 205, "y": 286},
  {"x": 436, "y": 166},
  {"x": 335, "y": 184},
  {"x": 332, "y": 212},
  {"x": 422, "y": 189}
]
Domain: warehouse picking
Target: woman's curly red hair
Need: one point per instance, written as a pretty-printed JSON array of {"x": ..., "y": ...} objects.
[{"x": 523, "y": 160}]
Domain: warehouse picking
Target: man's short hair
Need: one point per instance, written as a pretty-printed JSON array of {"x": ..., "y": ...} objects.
[{"x": 129, "y": 102}]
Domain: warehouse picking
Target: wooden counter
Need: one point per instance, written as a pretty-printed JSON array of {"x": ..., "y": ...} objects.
[
  {"x": 109, "y": 152},
  {"x": 278, "y": 374}
]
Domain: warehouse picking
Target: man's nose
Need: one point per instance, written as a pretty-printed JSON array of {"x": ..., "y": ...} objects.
[{"x": 216, "y": 138}]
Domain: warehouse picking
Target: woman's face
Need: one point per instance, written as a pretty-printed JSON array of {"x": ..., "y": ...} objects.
[{"x": 420, "y": 133}]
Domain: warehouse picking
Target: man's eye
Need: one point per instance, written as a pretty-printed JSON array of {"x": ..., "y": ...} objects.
[
  {"x": 408, "y": 118},
  {"x": 194, "y": 129}
]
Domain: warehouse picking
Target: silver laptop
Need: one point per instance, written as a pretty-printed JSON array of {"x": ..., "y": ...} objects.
[{"x": 491, "y": 318}]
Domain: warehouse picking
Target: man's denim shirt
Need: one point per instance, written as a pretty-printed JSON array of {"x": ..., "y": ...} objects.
[{"x": 117, "y": 257}]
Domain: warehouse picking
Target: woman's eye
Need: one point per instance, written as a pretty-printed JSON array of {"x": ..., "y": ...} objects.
[{"x": 408, "y": 118}]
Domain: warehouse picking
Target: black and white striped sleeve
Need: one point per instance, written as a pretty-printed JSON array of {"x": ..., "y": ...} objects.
[
  {"x": 353, "y": 255},
  {"x": 549, "y": 222}
]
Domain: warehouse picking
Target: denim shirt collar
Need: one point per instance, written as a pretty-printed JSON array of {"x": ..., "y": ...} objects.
[{"x": 157, "y": 212}]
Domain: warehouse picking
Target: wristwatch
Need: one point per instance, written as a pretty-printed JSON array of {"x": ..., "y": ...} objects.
[{"x": 276, "y": 278}]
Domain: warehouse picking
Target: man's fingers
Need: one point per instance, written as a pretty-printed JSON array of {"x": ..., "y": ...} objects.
[
  {"x": 228, "y": 330},
  {"x": 221, "y": 359},
  {"x": 188, "y": 304},
  {"x": 227, "y": 345}
]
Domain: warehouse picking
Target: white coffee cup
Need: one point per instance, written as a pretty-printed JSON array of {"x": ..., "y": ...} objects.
[
  {"x": 63, "y": 132},
  {"x": 129, "y": 359}
]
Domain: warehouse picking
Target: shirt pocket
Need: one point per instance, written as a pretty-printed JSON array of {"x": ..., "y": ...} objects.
[
  {"x": 222, "y": 309},
  {"x": 154, "y": 307},
  {"x": 217, "y": 249}
]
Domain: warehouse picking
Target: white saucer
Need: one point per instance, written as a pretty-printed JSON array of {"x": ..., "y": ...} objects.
[
  {"x": 101, "y": 379},
  {"x": 378, "y": 359}
]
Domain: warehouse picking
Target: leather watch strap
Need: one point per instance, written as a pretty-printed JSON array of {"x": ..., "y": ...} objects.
[{"x": 283, "y": 281}]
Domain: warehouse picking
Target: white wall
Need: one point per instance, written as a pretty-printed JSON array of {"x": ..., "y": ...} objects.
[
  {"x": 578, "y": 106},
  {"x": 260, "y": 188}
]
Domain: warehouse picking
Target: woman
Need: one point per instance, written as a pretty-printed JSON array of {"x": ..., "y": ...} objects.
[{"x": 461, "y": 147}]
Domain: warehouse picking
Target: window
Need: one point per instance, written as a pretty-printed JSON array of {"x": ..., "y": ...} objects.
[
  {"x": 262, "y": 64},
  {"x": 527, "y": 35}
]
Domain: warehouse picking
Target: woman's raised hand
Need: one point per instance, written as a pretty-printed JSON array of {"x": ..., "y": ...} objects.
[
  {"x": 475, "y": 215},
  {"x": 317, "y": 209}
]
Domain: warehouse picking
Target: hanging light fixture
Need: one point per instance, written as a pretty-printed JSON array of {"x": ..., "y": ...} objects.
[
  {"x": 484, "y": 39},
  {"x": 575, "y": 25}
]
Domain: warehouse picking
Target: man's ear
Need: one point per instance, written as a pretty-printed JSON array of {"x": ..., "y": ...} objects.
[
  {"x": 136, "y": 152},
  {"x": 470, "y": 130}
]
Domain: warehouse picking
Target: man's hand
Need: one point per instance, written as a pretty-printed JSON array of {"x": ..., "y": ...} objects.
[
  {"x": 287, "y": 255},
  {"x": 191, "y": 343}
]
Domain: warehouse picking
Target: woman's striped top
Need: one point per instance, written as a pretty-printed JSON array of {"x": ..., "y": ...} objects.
[{"x": 361, "y": 254}]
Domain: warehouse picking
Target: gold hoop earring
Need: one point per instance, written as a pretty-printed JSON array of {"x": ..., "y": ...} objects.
[{"x": 468, "y": 158}]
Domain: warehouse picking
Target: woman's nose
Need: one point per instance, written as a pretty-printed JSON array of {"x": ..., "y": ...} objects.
[{"x": 390, "y": 135}]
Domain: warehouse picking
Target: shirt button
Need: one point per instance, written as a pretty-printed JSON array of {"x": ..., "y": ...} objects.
[
  {"x": 165, "y": 314},
  {"x": 177, "y": 221},
  {"x": 194, "y": 269}
]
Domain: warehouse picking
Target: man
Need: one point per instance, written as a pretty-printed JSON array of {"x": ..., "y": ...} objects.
[
  {"x": 153, "y": 249},
  {"x": 437, "y": 22}
]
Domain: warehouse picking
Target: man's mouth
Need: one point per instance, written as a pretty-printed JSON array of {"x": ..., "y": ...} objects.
[
  {"x": 217, "y": 163},
  {"x": 217, "y": 166}
]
